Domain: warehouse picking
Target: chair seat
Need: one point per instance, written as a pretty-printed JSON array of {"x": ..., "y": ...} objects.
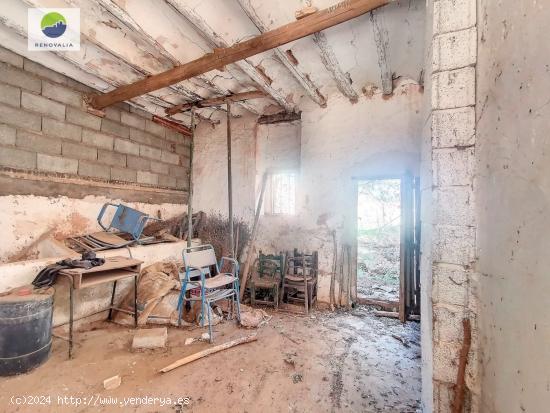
[
  {"x": 297, "y": 278},
  {"x": 219, "y": 281}
]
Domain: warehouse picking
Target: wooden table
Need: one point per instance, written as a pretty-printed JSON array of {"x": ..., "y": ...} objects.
[{"x": 113, "y": 270}]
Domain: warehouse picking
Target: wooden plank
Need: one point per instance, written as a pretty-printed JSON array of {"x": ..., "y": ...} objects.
[
  {"x": 220, "y": 57},
  {"x": 112, "y": 263},
  {"x": 460, "y": 387},
  {"x": 279, "y": 118},
  {"x": 178, "y": 127},
  {"x": 106, "y": 277},
  {"x": 217, "y": 101}
]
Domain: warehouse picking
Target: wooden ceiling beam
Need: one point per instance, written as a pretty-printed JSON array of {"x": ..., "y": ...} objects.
[
  {"x": 217, "y": 101},
  {"x": 381, "y": 38},
  {"x": 221, "y": 57}
]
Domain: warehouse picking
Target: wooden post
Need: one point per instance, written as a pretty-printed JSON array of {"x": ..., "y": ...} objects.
[
  {"x": 190, "y": 199},
  {"x": 458, "y": 402},
  {"x": 229, "y": 182}
]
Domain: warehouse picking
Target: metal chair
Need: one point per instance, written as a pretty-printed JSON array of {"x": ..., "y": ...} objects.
[
  {"x": 202, "y": 273},
  {"x": 126, "y": 220}
]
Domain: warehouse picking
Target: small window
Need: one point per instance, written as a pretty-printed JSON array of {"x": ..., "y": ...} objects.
[{"x": 283, "y": 193}]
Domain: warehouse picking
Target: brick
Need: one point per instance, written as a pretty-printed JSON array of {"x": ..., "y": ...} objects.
[
  {"x": 79, "y": 151},
  {"x": 184, "y": 150},
  {"x": 61, "y": 94},
  {"x": 97, "y": 139},
  {"x": 112, "y": 382},
  {"x": 450, "y": 284},
  {"x": 138, "y": 163},
  {"x": 171, "y": 158},
  {"x": 453, "y": 15},
  {"x": 111, "y": 158},
  {"x": 61, "y": 129},
  {"x": 453, "y": 127},
  {"x": 42, "y": 105},
  {"x": 155, "y": 128},
  {"x": 455, "y": 50},
  {"x": 453, "y": 167},
  {"x": 128, "y": 147},
  {"x": 453, "y": 89},
  {"x": 453, "y": 244},
  {"x": 147, "y": 178},
  {"x": 94, "y": 170},
  {"x": 20, "y": 118},
  {"x": 44, "y": 72},
  {"x": 16, "y": 158},
  {"x": 73, "y": 84},
  {"x": 160, "y": 168},
  {"x": 115, "y": 128},
  {"x": 182, "y": 183},
  {"x": 56, "y": 164},
  {"x": 81, "y": 118},
  {"x": 8, "y": 56},
  {"x": 141, "y": 112},
  {"x": 149, "y": 152},
  {"x": 132, "y": 120},
  {"x": 38, "y": 143},
  {"x": 112, "y": 113},
  {"x": 167, "y": 181},
  {"x": 174, "y": 136},
  {"x": 178, "y": 171},
  {"x": 150, "y": 338},
  {"x": 447, "y": 322},
  {"x": 123, "y": 174},
  {"x": 7, "y": 133},
  {"x": 10, "y": 95},
  {"x": 18, "y": 77},
  {"x": 454, "y": 206},
  {"x": 143, "y": 137}
]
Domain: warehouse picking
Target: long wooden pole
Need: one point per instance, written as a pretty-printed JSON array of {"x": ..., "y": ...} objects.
[
  {"x": 236, "y": 97},
  {"x": 230, "y": 183},
  {"x": 313, "y": 23},
  {"x": 458, "y": 402},
  {"x": 250, "y": 253},
  {"x": 190, "y": 199},
  {"x": 208, "y": 351}
]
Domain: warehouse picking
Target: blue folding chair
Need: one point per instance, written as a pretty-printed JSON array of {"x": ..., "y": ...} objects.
[
  {"x": 126, "y": 219},
  {"x": 198, "y": 264}
]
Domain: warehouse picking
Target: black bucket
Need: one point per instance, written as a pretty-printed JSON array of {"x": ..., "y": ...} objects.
[{"x": 25, "y": 329}]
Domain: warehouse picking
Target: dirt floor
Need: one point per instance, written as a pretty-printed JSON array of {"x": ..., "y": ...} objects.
[{"x": 325, "y": 362}]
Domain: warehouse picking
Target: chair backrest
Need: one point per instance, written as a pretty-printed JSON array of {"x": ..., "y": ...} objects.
[
  {"x": 202, "y": 256},
  {"x": 129, "y": 220}
]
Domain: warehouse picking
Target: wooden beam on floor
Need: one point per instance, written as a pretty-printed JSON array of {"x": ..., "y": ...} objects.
[
  {"x": 382, "y": 41},
  {"x": 217, "y": 101},
  {"x": 279, "y": 118},
  {"x": 303, "y": 79},
  {"x": 221, "y": 57}
]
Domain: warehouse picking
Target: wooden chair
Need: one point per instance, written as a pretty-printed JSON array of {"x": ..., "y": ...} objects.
[
  {"x": 268, "y": 270},
  {"x": 300, "y": 279}
]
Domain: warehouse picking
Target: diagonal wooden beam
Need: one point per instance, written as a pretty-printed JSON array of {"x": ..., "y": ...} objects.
[
  {"x": 237, "y": 97},
  {"x": 381, "y": 38},
  {"x": 219, "y": 58},
  {"x": 303, "y": 79}
]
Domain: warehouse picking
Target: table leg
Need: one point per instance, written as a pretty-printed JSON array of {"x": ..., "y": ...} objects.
[
  {"x": 112, "y": 301},
  {"x": 71, "y": 309},
  {"x": 135, "y": 302}
]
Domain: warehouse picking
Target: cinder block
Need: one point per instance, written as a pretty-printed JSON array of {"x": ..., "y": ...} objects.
[
  {"x": 454, "y": 50},
  {"x": 171, "y": 158},
  {"x": 178, "y": 171},
  {"x": 10, "y": 95},
  {"x": 97, "y": 139},
  {"x": 453, "y": 127},
  {"x": 38, "y": 69},
  {"x": 141, "y": 113},
  {"x": 447, "y": 322},
  {"x": 454, "y": 89},
  {"x": 73, "y": 84},
  {"x": 16, "y": 158},
  {"x": 150, "y": 338},
  {"x": 155, "y": 128},
  {"x": 143, "y": 137},
  {"x": 79, "y": 151},
  {"x": 137, "y": 163},
  {"x": 112, "y": 382},
  {"x": 56, "y": 164},
  {"x": 123, "y": 174},
  {"x": 182, "y": 183},
  {"x": 149, "y": 178},
  {"x": 454, "y": 206},
  {"x": 17, "y": 77},
  {"x": 453, "y": 167},
  {"x": 94, "y": 170},
  {"x": 174, "y": 136},
  {"x": 149, "y": 152},
  {"x": 182, "y": 149},
  {"x": 111, "y": 158},
  {"x": 38, "y": 143},
  {"x": 160, "y": 168},
  {"x": 450, "y": 284},
  {"x": 81, "y": 118},
  {"x": 112, "y": 113},
  {"x": 453, "y": 244},
  {"x": 62, "y": 129},
  {"x": 167, "y": 181},
  {"x": 8, "y": 56},
  {"x": 43, "y": 105},
  {"x": 115, "y": 128},
  {"x": 7, "y": 133},
  {"x": 453, "y": 15},
  {"x": 61, "y": 94},
  {"x": 445, "y": 358},
  {"x": 132, "y": 120},
  {"x": 125, "y": 146},
  {"x": 20, "y": 118}
]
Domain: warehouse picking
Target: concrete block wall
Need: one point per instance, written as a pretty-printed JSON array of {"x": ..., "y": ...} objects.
[
  {"x": 452, "y": 220},
  {"x": 44, "y": 128}
]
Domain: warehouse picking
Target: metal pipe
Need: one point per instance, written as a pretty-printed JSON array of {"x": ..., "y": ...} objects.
[
  {"x": 190, "y": 197},
  {"x": 229, "y": 181}
]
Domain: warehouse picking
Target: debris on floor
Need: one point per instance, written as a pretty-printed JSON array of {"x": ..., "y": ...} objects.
[
  {"x": 112, "y": 382},
  {"x": 151, "y": 338}
]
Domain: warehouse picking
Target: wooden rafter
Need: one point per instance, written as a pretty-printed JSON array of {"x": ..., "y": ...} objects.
[
  {"x": 220, "y": 57},
  {"x": 381, "y": 38},
  {"x": 217, "y": 101},
  {"x": 279, "y": 118}
]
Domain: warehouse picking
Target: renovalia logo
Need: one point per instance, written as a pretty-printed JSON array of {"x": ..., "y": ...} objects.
[{"x": 53, "y": 29}]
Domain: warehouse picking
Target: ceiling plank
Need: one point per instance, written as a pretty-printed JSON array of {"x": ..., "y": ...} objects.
[
  {"x": 236, "y": 97},
  {"x": 303, "y": 79},
  {"x": 220, "y": 57},
  {"x": 279, "y": 118},
  {"x": 381, "y": 38}
]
